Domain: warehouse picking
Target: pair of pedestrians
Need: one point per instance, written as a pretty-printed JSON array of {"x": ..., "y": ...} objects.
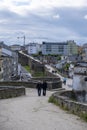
[{"x": 41, "y": 86}]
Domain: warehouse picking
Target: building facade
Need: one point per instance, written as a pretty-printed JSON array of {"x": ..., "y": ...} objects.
[
  {"x": 8, "y": 62},
  {"x": 61, "y": 48},
  {"x": 72, "y": 48},
  {"x": 33, "y": 48},
  {"x": 80, "y": 77},
  {"x": 80, "y": 81},
  {"x": 85, "y": 52},
  {"x": 14, "y": 63}
]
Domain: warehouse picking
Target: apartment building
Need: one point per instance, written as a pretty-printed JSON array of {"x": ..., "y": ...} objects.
[
  {"x": 61, "y": 48},
  {"x": 33, "y": 48},
  {"x": 8, "y": 62},
  {"x": 72, "y": 47},
  {"x": 84, "y": 51}
]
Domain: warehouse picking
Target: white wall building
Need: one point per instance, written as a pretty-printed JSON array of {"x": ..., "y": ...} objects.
[
  {"x": 71, "y": 70},
  {"x": 33, "y": 48},
  {"x": 61, "y": 48},
  {"x": 80, "y": 77}
]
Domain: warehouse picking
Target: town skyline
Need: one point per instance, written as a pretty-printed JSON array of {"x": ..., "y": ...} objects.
[{"x": 43, "y": 20}]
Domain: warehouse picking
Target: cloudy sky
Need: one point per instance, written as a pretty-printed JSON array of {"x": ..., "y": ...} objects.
[{"x": 43, "y": 20}]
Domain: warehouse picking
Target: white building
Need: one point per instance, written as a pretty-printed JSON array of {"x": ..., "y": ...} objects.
[
  {"x": 61, "y": 48},
  {"x": 33, "y": 48},
  {"x": 60, "y": 64},
  {"x": 80, "y": 77},
  {"x": 71, "y": 70}
]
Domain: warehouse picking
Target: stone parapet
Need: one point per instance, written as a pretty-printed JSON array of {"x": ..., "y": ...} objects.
[
  {"x": 9, "y": 92},
  {"x": 51, "y": 79},
  {"x": 51, "y": 82},
  {"x": 66, "y": 103}
]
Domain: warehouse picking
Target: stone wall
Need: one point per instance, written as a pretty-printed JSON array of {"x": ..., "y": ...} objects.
[
  {"x": 9, "y": 92},
  {"x": 22, "y": 59},
  {"x": 65, "y": 102},
  {"x": 54, "y": 85},
  {"x": 32, "y": 84},
  {"x": 52, "y": 82},
  {"x": 50, "y": 74},
  {"x": 29, "y": 84},
  {"x": 35, "y": 66},
  {"x": 52, "y": 79}
]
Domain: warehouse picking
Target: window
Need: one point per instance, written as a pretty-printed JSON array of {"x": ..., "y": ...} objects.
[
  {"x": 48, "y": 48},
  {"x": 60, "y": 48}
]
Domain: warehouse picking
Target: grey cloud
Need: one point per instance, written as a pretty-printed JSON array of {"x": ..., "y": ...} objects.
[
  {"x": 73, "y": 19},
  {"x": 21, "y": 3},
  {"x": 71, "y": 24}
]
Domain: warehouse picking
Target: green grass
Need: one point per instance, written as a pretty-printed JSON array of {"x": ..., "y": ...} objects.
[
  {"x": 39, "y": 74},
  {"x": 35, "y": 74},
  {"x": 53, "y": 100},
  {"x": 82, "y": 115},
  {"x": 27, "y": 68}
]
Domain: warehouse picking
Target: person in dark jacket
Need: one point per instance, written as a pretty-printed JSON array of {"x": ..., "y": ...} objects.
[
  {"x": 44, "y": 86},
  {"x": 38, "y": 87}
]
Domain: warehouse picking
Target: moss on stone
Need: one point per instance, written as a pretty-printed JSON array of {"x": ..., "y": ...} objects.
[
  {"x": 53, "y": 100},
  {"x": 82, "y": 115}
]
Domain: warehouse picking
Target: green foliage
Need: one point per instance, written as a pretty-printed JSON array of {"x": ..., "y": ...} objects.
[
  {"x": 35, "y": 55},
  {"x": 84, "y": 116},
  {"x": 27, "y": 68},
  {"x": 58, "y": 57},
  {"x": 65, "y": 108},
  {"x": 66, "y": 67},
  {"x": 40, "y": 53},
  {"x": 54, "y": 55},
  {"x": 53, "y": 100}
]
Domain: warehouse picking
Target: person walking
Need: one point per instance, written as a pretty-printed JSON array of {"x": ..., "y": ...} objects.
[
  {"x": 38, "y": 87},
  {"x": 64, "y": 81},
  {"x": 44, "y": 87}
]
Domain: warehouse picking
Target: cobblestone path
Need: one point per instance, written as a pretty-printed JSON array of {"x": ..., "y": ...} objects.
[{"x": 31, "y": 112}]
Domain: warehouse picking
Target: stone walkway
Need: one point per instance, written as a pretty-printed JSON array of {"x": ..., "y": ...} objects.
[{"x": 31, "y": 112}]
